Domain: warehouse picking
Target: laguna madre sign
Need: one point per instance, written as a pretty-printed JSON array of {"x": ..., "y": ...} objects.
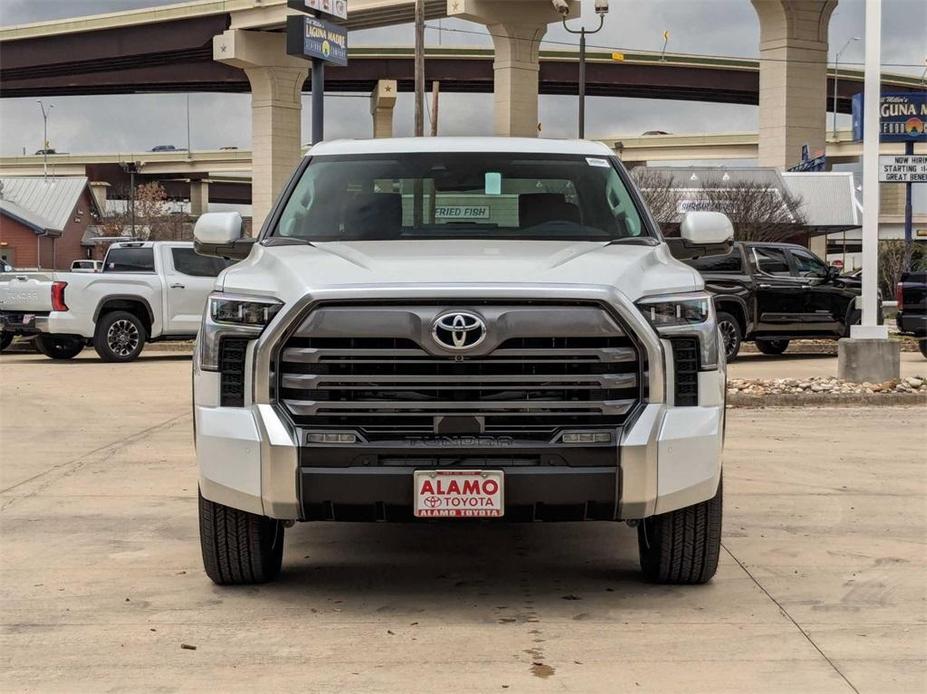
[
  {"x": 902, "y": 117},
  {"x": 320, "y": 41},
  {"x": 316, "y": 39}
]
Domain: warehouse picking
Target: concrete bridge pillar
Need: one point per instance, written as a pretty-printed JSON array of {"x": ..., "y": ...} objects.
[
  {"x": 516, "y": 27},
  {"x": 199, "y": 197},
  {"x": 276, "y": 86},
  {"x": 793, "y": 77},
  {"x": 382, "y": 103}
]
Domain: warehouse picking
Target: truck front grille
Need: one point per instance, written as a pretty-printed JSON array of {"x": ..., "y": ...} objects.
[{"x": 390, "y": 388}]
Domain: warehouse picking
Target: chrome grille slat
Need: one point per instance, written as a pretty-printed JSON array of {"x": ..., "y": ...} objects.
[
  {"x": 313, "y": 355},
  {"x": 510, "y": 407},
  {"x": 396, "y": 381},
  {"x": 379, "y": 372}
]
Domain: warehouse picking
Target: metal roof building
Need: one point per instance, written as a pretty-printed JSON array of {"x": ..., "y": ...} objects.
[
  {"x": 43, "y": 204},
  {"x": 43, "y": 220},
  {"x": 827, "y": 199}
]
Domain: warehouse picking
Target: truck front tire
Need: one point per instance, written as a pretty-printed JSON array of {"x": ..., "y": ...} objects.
[
  {"x": 59, "y": 346},
  {"x": 239, "y": 548},
  {"x": 730, "y": 334},
  {"x": 682, "y": 546},
  {"x": 120, "y": 336}
]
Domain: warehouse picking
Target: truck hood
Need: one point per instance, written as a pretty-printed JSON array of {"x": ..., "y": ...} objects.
[{"x": 291, "y": 272}]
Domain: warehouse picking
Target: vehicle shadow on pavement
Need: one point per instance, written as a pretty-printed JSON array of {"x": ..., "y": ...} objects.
[
  {"x": 87, "y": 357},
  {"x": 767, "y": 358},
  {"x": 412, "y": 567}
]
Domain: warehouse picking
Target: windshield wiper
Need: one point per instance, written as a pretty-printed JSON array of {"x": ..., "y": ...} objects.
[
  {"x": 286, "y": 241},
  {"x": 635, "y": 241}
]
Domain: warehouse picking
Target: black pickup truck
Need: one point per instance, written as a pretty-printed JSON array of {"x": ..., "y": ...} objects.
[
  {"x": 771, "y": 293},
  {"x": 911, "y": 295}
]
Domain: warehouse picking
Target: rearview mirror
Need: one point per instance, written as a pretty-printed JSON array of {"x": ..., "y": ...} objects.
[
  {"x": 702, "y": 233},
  {"x": 220, "y": 234}
]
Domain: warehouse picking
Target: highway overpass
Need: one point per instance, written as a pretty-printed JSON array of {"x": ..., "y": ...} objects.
[
  {"x": 229, "y": 171},
  {"x": 236, "y": 46}
]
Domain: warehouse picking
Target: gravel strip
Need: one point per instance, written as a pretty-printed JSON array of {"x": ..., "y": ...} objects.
[{"x": 824, "y": 390}]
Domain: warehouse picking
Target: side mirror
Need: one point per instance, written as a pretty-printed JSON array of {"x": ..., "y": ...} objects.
[
  {"x": 833, "y": 272},
  {"x": 220, "y": 234},
  {"x": 706, "y": 228},
  {"x": 703, "y": 233}
]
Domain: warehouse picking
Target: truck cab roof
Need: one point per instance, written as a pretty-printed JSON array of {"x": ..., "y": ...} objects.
[{"x": 407, "y": 145}]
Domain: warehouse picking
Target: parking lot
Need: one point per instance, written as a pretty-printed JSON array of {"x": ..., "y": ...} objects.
[{"x": 820, "y": 588}]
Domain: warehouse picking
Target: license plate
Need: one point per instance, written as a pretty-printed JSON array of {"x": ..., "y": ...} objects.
[{"x": 459, "y": 493}]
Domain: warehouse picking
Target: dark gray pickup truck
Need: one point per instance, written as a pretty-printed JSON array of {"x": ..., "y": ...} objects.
[{"x": 911, "y": 295}]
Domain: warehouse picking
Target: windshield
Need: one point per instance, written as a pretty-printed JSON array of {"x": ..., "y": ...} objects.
[{"x": 461, "y": 195}]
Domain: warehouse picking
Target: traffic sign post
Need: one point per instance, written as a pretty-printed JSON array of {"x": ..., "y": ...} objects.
[{"x": 321, "y": 42}]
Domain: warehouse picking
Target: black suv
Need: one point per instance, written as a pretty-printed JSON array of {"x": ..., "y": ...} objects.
[{"x": 773, "y": 292}]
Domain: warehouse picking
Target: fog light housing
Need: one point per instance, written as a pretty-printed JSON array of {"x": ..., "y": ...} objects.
[
  {"x": 586, "y": 437},
  {"x": 331, "y": 437}
]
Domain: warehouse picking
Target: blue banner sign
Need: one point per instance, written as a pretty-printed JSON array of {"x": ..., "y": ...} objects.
[
  {"x": 309, "y": 37},
  {"x": 809, "y": 163},
  {"x": 902, "y": 117}
]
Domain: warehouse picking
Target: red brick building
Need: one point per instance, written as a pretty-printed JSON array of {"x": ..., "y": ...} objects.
[{"x": 42, "y": 221}]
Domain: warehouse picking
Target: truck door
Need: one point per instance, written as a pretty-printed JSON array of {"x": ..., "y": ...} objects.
[
  {"x": 188, "y": 279},
  {"x": 779, "y": 298},
  {"x": 824, "y": 304}
]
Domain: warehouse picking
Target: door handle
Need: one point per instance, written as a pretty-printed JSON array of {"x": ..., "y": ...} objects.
[
  {"x": 806, "y": 286},
  {"x": 177, "y": 285},
  {"x": 765, "y": 286}
]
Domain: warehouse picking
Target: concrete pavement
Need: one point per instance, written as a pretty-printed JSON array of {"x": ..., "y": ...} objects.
[{"x": 820, "y": 587}]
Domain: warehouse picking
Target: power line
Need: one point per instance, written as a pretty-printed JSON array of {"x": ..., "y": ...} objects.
[{"x": 616, "y": 48}]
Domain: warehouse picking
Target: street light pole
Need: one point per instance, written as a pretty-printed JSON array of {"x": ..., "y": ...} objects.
[
  {"x": 836, "y": 77},
  {"x": 601, "y": 9},
  {"x": 45, "y": 137},
  {"x": 419, "y": 68}
]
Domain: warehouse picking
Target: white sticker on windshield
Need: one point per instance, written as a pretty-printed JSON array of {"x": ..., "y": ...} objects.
[
  {"x": 493, "y": 183},
  {"x": 595, "y": 161}
]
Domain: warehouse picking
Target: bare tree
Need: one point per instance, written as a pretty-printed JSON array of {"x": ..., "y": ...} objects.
[
  {"x": 659, "y": 194},
  {"x": 897, "y": 256},
  {"x": 153, "y": 218},
  {"x": 759, "y": 212}
]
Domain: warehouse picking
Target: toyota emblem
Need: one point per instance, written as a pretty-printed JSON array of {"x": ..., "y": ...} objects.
[{"x": 459, "y": 331}]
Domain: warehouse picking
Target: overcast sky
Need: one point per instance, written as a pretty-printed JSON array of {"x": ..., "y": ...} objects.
[{"x": 714, "y": 27}]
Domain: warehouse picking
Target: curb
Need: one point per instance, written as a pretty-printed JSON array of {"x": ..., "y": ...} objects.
[{"x": 830, "y": 399}]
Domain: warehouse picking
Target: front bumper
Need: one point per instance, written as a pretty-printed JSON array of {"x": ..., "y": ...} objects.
[
  {"x": 668, "y": 458},
  {"x": 664, "y": 458}
]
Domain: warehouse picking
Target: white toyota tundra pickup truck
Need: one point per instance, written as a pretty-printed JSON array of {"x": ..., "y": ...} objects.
[
  {"x": 453, "y": 329},
  {"x": 145, "y": 291}
]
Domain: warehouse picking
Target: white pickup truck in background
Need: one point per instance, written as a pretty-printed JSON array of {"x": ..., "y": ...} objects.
[{"x": 146, "y": 291}]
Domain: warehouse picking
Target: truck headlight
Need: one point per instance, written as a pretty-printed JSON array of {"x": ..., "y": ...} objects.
[
  {"x": 229, "y": 315},
  {"x": 690, "y": 314},
  {"x": 237, "y": 311}
]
